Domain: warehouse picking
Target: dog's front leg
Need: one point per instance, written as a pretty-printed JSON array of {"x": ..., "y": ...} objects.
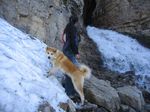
[{"x": 52, "y": 71}]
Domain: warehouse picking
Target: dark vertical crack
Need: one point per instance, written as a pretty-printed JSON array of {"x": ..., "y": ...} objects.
[{"x": 89, "y": 6}]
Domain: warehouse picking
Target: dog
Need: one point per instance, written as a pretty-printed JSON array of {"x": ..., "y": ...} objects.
[{"x": 77, "y": 74}]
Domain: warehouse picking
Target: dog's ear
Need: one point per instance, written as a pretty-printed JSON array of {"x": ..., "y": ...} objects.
[{"x": 55, "y": 50}]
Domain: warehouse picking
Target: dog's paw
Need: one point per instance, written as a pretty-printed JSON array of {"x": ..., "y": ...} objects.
[{"x": 49, "y": 74}]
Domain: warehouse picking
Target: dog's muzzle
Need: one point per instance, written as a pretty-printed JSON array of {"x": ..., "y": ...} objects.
[{"x": 49, "y": 57}]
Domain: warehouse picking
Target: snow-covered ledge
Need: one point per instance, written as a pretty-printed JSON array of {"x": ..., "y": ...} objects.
[{"x": 23, "y": 66}]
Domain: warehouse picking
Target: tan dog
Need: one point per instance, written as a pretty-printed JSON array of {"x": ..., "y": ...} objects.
[{"x": 77, "y": 74}]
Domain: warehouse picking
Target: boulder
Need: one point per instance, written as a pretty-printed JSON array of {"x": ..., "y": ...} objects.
[
  {"x": 131, "y": 96},
  {"x": 101, "y": 93}
]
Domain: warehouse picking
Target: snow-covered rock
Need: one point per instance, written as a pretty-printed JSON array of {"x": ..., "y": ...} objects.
[{"x": 23, "y": 66}]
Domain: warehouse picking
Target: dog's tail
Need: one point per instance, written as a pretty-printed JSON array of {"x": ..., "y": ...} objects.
[{"x": 86, "y": 70}]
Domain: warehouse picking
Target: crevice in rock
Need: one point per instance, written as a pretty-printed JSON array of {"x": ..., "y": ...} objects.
[
  {"x": 89, "y": 6},
  {"x": 90, "y": 55}
]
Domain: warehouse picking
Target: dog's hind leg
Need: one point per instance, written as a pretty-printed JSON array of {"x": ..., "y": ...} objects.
[{"x": 78, "y": 84}]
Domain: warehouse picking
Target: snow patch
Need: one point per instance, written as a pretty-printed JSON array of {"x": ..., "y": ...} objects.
[{"x": 23, "y": 66}]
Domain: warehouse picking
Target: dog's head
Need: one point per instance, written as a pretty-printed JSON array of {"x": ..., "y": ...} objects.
[{"x": 51, "y": 52}]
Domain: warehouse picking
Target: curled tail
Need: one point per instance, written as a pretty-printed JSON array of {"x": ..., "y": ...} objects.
[{"x": 86, "y": 70}]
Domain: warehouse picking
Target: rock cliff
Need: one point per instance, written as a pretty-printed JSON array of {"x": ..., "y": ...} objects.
[
  {"x": 127, "y": 16},
  {"x": 44, "y": 19}
]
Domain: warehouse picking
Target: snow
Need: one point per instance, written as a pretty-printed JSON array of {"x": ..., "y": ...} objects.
[
  {"x": 121, "y": 53},
  {"x": 23, "y": 68}
]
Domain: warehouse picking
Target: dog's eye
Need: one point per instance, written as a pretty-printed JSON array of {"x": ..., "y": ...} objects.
[
  {"x": 48, "y": 53},
  {"x": 51, "y": 53}
]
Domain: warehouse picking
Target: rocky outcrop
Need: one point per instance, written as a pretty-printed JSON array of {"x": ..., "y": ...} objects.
[
  {"x": 101, "y": 93},
  {"x": 132, "y": 97},
  {"x": 44, "y": 19},
  {"x": 127, "y": 16}
]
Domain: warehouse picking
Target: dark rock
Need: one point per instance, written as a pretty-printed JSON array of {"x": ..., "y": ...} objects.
[
  {"x": 71, "y": 106},
  {"x": 68, "y": 107},
  {"x": 46, "y": 107},
  {"x": 147, "y": 107},
  {"x": 64, "y": 106},
  {"x": 146, "y": 96}
]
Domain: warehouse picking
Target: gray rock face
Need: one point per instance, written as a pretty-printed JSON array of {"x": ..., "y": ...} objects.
[
  {"x": 45, "y": 19},
  {"x": 127, "y": 16},
  {"x": 132, "y": 97},
  {"x": 101, "y": 93}
]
